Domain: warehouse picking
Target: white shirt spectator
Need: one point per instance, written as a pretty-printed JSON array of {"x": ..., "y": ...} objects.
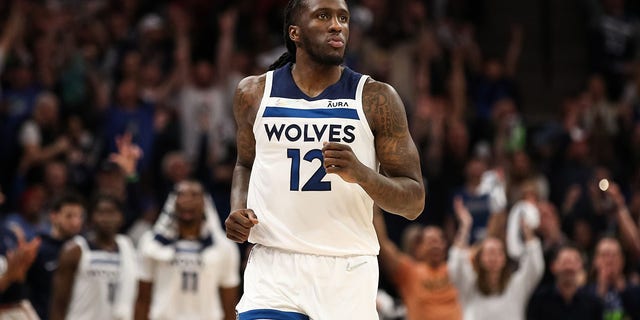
[{"x": 512, "y": 303}]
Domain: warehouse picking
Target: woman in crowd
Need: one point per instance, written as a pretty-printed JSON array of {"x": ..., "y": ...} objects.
[{"x": 488, "y": 286}]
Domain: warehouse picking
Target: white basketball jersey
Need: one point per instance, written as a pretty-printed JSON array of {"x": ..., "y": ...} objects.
[
  {"x": 98, "y": 282},
  {"x": 187, "y": 286},
  {"x": 300, "y": 208}
]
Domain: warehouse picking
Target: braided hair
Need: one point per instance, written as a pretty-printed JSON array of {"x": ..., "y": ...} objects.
[{"x": 290, "y": 12}]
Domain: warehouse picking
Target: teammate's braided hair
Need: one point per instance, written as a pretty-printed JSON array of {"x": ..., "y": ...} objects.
[{"x": 290, "y": 13}]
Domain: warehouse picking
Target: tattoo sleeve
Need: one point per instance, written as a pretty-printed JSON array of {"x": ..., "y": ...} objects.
[
  {"x": 399, "y": 189},
  {"x": 245, "y": 104}
]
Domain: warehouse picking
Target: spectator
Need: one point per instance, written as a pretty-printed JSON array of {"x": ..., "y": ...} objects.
[
  {"x": 40, "y": 138},
  {"x": 521, "y": 172},
  {"x": 175, "y": 168},
  {"x": 82, "y": 153},
  {"x": 551, "y": 236},
  {"x": 66, "y": 218},
  {"x": 56, "y": 179},
  {"x": 526, "y": 209},
  {"x": 509, "y": 132},
  {"x": 485, "y": 200},
  {"x": 31, "y": 217},
  {"x": 619, "y": 297},
  {"x": 565, "y": 299},
  {"x": 97, "y": 273},
  {"x": 494, "y": 81},
  {"x": 118, "y": 176},
  {"x": 10, "y": 119},
  {"x": 16, "y": 255},
  {"x": 129, "y": 115},
  {"x": 421, "y": 274},
  {"x": 204, "y": 100},
  {"x": 600, "y": 111},
  {"x": 612, "y": 44},
  {"x": 618, "y": 218},
  {"x": 488, "y": 287}
]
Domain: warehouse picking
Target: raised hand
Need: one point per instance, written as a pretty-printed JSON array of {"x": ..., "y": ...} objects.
[
  {"x": 465, "y": 220},
  {"x": 527, "y": 231},
  {"x": 19, "y": 260},
  {"x": 180, "y": 19},
  {"x": 462, "y": 213},
  {"x": 128, "y": 154},
  {"x": 228, "y": 21},
  {"x": 613, "y": 192}
]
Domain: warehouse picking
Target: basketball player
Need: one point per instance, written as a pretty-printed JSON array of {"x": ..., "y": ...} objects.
[
  {"x": 67, "y": 219},
  {"x": 312, "y": 137},
  {"x": 189, "y": 270},
  {"x": 96, "y": 276}
]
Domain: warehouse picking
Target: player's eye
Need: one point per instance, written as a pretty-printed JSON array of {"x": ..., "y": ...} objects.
[
  {"x": 323, "y": 16},
  {"x": 344, "y": 19}
]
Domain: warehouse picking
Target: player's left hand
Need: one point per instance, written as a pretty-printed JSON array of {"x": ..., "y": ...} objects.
[{"x": 340, "y": 159}]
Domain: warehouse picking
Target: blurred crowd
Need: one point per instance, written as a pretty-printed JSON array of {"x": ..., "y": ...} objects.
[{"x": 76, "y": 76}]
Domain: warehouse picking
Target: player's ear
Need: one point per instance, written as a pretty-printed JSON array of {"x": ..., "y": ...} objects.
[{"x": 294, "y": 33}]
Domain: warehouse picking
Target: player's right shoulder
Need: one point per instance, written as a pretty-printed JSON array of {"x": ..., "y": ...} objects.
[
  {"x": 249, "y": 93},
  {"x": 70, "y": 254},
  {"x": 252, "y": 85}
]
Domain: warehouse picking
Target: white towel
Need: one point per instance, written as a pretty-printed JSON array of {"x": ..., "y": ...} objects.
[
  {"x": 528, "y": 211},
  {"x": 165, "y": 230},
  {"x": 493, "y": 184},
  {"x": 128, "y": 282}
]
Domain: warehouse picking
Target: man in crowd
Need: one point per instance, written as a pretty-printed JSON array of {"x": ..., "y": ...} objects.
[
  {"x": 564, "y": 299},
  {"x": 66, "y": 217}
]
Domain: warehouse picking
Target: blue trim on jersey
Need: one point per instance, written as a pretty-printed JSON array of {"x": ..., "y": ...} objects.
[
  {"x": 271, "y": 314},
  {"x": 340, "y": 113},
  {"x": 162, "y": 239},
  {"x": 206, "y": 242},
  {"x": 188, "y": 250},
  {"x": 105, "y": 261},
  {"x": 284, "y": 86}
]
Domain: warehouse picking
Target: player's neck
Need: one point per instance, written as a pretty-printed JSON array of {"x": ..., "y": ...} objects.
[
  {"x": 189, "y": 231},
  {"x": 105, "y": 242},
  {"x": 57, "y": 234},
  {"x": 312, "y": 77}
]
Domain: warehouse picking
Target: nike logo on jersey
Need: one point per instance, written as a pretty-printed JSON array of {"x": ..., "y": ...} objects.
[{"x": 351, "y": 267}]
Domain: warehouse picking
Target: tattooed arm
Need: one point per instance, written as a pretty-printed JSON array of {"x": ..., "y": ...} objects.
[
  {"x": 245, "y": 106},
  {"x": 399, "y": 189}
]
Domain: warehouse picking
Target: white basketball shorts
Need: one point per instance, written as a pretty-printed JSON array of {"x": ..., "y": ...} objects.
[{"x": 282, "y": 285}]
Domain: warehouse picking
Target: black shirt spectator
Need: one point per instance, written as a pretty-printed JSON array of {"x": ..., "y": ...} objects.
[
  {"x": 548, "y": 304},
  {"x": 41, "y": 273}
]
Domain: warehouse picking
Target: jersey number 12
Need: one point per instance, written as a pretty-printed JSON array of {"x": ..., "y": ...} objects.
[{"x": 314, "y": 183}]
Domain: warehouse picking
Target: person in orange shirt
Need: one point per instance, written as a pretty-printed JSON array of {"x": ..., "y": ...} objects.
[{"x": 420, "y": 275}]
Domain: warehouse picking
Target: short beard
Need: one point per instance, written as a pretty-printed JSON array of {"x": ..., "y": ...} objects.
[
  {"x": 187, "y": 222},
  {"x": 314, "y": 52}
]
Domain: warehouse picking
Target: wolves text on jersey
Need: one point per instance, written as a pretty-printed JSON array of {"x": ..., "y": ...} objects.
[{"x": 311, "y": 132}]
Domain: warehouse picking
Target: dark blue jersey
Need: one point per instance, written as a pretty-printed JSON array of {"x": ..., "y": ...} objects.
[
  {"x": 40, "y": 275},
  {"x": 480, "y": 209}
]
